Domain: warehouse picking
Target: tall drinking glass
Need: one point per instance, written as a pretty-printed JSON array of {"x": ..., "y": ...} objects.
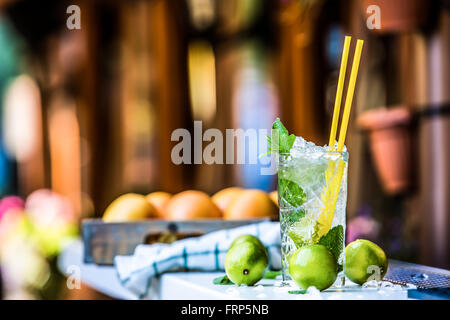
[{"x": 312, "y": 196}]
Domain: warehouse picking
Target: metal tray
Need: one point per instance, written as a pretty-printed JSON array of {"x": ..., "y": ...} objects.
[
  {"x": 103, "y": 241},
  {"x": 423, "y": 277}
]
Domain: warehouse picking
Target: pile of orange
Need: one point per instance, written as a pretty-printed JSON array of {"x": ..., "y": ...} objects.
[{"x": 232, "y": 203}]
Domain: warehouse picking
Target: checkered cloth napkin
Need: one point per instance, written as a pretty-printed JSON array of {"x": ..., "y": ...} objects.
[{"x": 205, "y": 253}]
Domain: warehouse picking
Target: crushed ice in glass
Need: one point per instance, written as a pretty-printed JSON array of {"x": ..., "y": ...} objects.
[{"x": 302, "y": 146}]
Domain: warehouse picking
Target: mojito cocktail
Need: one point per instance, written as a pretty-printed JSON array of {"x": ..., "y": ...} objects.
[{"x": 312, "y": 195}]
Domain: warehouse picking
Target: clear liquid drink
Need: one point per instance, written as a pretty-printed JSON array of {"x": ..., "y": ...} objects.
[{"x": 312, "y": 196}]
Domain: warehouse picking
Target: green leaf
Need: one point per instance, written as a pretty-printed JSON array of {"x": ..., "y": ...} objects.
[
  {"x": 270, "y": 274},
  {"x": 291, "y": 192},
  {"x": 286, "y": 143},
  {"x": 269, "y": 142},
  {"x": 334, "y": 240},
  {"x": 278, "y": 125},
  {"x": 295, "y": 216},
  {"x": 285, "y": 140},
  {"x": 297, "y": 291},
  {"x": 340, "y": 268},
  {"x": 222, "y": 280}
]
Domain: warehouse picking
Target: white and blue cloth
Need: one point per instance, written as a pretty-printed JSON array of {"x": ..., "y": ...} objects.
[{"x": 204, "y": 253}]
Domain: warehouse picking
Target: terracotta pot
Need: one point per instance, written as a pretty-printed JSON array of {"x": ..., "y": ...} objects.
[
  {"x": 390, "y": 144},
  {"x": 398, "y": 15}
]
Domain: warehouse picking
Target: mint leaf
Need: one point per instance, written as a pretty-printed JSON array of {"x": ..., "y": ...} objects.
[
  {"x": 269, "y": 142},
  {"x": 297, "y": 291},
  {"x": 295, "y": 216},
  {"x": 291, "y": 192},
  {"x": 271, "y": 274},
  {"x": 222, "y": 280},
  {"x": 285, "y": 140},
  {"x": 278, "y": 125},
  {"x": 286, "y": 143},
  {"x": 334, "y": 241}
]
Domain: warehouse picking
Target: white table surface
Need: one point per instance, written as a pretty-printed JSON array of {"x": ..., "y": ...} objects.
[
  {"x": 102, "y": 278},
  {"x": 199, "y": 285}
]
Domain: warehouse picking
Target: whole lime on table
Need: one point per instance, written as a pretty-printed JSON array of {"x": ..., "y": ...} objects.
[
  {"x": 245, "y": 263},
  {"x": 248, "y": 238},
  {"x": 364, "y": 259},
  {"x": 313, "y": 265}
]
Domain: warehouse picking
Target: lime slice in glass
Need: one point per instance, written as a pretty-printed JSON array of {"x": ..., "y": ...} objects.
[{"x": 304, "y": 232}]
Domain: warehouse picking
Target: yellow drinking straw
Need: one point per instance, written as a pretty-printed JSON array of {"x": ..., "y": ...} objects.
[
  {"x": 340, "y": 89},
  {"x": 349, "y": 97},
  {"x": 334, "y": 180}
]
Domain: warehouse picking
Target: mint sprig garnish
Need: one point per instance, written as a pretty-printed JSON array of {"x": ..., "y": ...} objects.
[
  {"x": 285, "y": 140},
  {"x": 334, "y": 241},
  {"x": 282, "y": 142}
]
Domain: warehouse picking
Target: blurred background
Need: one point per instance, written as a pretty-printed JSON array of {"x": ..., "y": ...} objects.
[{"x": 87, "y": 114}]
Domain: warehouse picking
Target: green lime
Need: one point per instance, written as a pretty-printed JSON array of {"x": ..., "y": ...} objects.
[
  {"x": 245, "y": 263},
  {"x": 248, "y": 238},
  {"x": 364, "y": 259},
  {"x": 313, "y": 265}
]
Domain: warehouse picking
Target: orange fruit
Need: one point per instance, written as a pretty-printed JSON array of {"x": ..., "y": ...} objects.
[
  {"x": 129, "y": 207},
  {"x": 192, "y": 204},
  {"x": 159, "y": 200},
  {"x": 274, "y": 196},
  {"x": 224, "y": 197},
  {"x": 250, "y": 204}
]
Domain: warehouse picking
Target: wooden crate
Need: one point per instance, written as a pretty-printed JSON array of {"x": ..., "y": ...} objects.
[{"x": 103, "y": 241}]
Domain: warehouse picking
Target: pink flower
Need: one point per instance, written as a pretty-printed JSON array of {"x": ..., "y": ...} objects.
[
  {"x": 362, "y": 227},
  {"x": 47, "y": 208},
  {"x": 11, "y": 203}
]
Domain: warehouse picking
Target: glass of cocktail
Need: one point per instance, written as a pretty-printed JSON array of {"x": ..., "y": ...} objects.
[
  {"x": 312, "y": 196},
  {"x": 312, "y": 184}
]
